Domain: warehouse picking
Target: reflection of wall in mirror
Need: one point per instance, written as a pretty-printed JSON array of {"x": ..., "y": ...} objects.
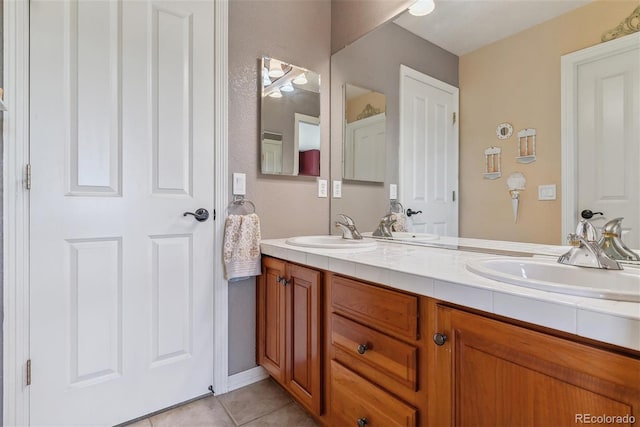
[
  {"x": 374, "y": 62},
  {"x": 518, "y": 80},
  {"x": 278, "y": 115},
  {"x": 355, "y": 106}
]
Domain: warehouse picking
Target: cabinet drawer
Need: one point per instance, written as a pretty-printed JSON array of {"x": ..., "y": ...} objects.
[
  {"x": 353, "y": 398},
  {"x": 383, "y": 309},
  {"x": 380, "y": 354}
]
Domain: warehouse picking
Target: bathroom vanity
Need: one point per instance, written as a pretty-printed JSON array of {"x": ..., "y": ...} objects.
[{"x": 404, "y": 335}]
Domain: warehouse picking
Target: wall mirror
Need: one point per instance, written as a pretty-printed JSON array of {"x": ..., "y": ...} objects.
[
  {"x": 365, "y": 134},
  {"x": 498, "y": 82},
  {"x": 289, "y": 119}
]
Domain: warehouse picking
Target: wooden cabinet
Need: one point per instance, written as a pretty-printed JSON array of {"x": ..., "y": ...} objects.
[
  {"x": 360, "y": 354},
  {"x": 374, "y": 355},
  {"x": 491, "y": 373},
  {"x": 289, "y": 326}
]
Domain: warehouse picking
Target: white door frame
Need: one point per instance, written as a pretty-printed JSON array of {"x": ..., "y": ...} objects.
[
  {"x": 569, "y": 143},
  {"x": 16, "y": 403}
]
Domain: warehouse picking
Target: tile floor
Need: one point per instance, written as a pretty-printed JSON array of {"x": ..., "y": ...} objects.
[{"x": 263, "y": 404}]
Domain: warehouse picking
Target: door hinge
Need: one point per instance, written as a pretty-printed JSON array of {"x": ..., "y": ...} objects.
[
  {"x": 29, "y": 372},
  {"x": 454, "y": 117},
  {"x": 28, "y": 176},
  {"x": 453, "y": 196}
]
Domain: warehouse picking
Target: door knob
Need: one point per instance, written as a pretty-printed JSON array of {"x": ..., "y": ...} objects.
[
  {"x": 200, "y": 214},
  {"x": 412, "y": 212},
  {"x": 587, "y": 214}
]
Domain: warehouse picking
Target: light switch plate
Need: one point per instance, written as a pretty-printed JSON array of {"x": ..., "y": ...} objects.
[
  {"x": 337, "y": 189},
  {"x": 239, "y": 184},
  {"x": 322, "y": 188},
  {"x": 393, "y": 191},
  {"x": 547, "y": 192}
]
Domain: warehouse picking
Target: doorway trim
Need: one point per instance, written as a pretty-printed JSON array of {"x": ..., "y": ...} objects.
[
  {"x": 15, "y": 131},
  {"x": 569, "y": 144}
]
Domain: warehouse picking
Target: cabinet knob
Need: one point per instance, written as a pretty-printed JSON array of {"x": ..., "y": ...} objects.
[
  {"x": 282, "y": 280},
  {"x": 362, "y": 422},
  {"x": 439, "y": 339},
  {"x": 362, "y": 348}
]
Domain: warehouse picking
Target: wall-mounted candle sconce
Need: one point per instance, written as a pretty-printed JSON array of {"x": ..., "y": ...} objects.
[
  {"x": 526, "y": 146},
  {"x": 516, "y": 183},
  {"x": 493, "y": 163}
]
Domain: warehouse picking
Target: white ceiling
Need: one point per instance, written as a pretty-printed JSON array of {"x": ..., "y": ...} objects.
[{"x": 462, "y": 26}]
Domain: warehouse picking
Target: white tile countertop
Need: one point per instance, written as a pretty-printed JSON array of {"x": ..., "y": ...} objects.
[{"x": 441, "y": 274}]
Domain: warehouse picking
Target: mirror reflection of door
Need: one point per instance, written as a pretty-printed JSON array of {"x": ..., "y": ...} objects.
[
  {"x": 602, "y": 137},
  {"x": 307, "y": 141},
  {"x": 271, "y": 153},
  {"x": 365, "y": 134},
  {"x": 289, "y": 92}
]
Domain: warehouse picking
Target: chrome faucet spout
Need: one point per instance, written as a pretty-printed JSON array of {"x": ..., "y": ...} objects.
[
  {"x": 348, "y": 228},
  {"x": 586, "y": 253},
  {"x": 384, "y": 227}
]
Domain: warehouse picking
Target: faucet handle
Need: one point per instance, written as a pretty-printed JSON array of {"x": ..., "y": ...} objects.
[
  {"x": 587, "y": 231},
  {"x": 347, "y": 220}
]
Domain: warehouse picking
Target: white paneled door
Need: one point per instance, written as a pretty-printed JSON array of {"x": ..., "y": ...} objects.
[
  {"x": 607, "y": 105},
  {"x": 121, "y": 146},
  {"x": 429, "y": 152}
]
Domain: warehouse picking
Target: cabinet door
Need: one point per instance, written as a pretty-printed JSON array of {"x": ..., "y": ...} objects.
[
  {"x": 270, "y": 312},
  {"x": 303, "y": 336},
  {"x": 492, "y": 373}
]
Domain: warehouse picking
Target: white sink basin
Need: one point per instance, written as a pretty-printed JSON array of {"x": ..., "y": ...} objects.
[
  {"x": 548, "y": 275},
  {"x": 406, "y": 236},
  {"x": 330, "y": 242}
]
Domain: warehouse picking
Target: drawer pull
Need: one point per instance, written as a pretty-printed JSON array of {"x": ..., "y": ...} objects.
[
  {"x": 282, "y": 281},
  {"x": 362, "y": 348},
  {"x": 439, "y": 339},
  {"x": 362, "y": 422}
]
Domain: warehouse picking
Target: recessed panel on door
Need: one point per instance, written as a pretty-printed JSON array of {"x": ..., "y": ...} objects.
[
  {"x": 420, "y": 157},
  {"x": 93, "y": 101},
  {"x": 95, "y": 294},
  {"x": 171, "y": 92},
  {"x": 172, "y": 294}
]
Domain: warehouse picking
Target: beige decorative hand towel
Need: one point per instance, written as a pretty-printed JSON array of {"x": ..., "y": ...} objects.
[
  {"x": 241, "y": 249},
  {"x": 401, "y": 222}
]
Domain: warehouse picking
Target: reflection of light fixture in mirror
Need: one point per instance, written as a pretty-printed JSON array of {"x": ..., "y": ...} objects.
[
  {"x": 422, "y": 7},
  {"x": 266, "y": 81},
  {"x": 301, "y": 79},
  {"x": 516, "y": 183},
  {"x": 275, "y": 69},
  {"x": 276, "y": 93},
  {"x": 287, "y": 87}
]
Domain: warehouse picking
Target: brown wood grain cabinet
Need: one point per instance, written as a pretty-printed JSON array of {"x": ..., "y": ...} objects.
[
  {"x": 492, "y": 373},
  {"x": 356, "y": 353},
  {"x": 289, "y": 329}
]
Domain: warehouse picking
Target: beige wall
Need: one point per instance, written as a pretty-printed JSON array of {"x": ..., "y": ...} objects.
[
  {"x": 352, "y": 19},
  {"x": 354, "y": 107},
  {"x": 296, "y": 32},
  {"x": 517, "y": 80}
]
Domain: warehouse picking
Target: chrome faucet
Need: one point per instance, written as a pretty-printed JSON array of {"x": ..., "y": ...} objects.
[
  {"x": 384, "y": 227},
  {"x": 348, "y": 228},
  {"x": 611, "y": 242},
  {"x": 585, "y": 251}
]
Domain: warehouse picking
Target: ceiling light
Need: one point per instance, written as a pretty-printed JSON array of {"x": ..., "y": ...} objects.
[
  {"x": 287, "y": 87},
  {"x": 275, "y": 69},
  {"x": 422, "y": 7},
  {"x": 276, "y": 93},
  {"x": 301, "y": 79}
]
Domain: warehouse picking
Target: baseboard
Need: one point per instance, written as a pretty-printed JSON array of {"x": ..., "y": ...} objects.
[{"x": 247, "y": 377}]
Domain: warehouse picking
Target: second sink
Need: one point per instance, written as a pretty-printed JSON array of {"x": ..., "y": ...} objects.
[{"x": 548, "y": 275}]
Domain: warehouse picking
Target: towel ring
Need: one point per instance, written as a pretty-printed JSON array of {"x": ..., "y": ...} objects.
[{"x": 240, "y": 202}]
